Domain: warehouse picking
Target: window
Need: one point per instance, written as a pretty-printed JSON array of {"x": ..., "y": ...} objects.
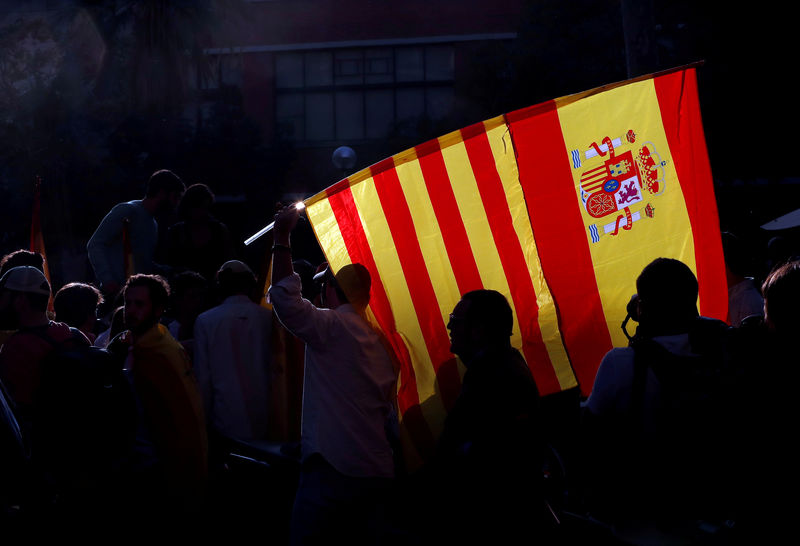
[{"x": 357, "y": 94}]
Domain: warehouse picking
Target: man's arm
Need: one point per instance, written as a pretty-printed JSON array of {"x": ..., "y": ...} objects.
[
  {"x": 604, "y": 398},
  {"x": 107, "y": 233},
  {"x": 299, "y": 316},
  {"x": 285, "y": 222}
]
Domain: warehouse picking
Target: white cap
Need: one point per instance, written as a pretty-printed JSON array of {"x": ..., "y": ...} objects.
[{"x": 27, "y": 279}]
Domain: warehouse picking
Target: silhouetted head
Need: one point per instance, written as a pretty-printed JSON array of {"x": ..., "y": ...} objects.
[
  {"x": 196, "y": 202},
  {"x": 738, "y": 258},
  {"x": 76, "y": 305},
  {"x": 235, "y": 277},
  {"x": 667, "y": 297},
  {"x": 351, "y": 284},
  {"x": 482, "y": 319},
  {"x": 21, "y": 257},
  {"x": 165, "y": 188}
]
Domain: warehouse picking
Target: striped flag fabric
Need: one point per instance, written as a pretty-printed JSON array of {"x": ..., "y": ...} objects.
[{"x": 558, "y": 206}]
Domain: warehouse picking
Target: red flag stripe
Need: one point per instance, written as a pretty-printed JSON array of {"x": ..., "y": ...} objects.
[
  {"x": 445, "y": 207},
  {"x": 566, "y": 260},
  {"x": 512, "y": 256},
  {"x": 678, "y": 101},
  {"x": 437, "y": 340},
  {"x": 344, "y": 209},
  {"x": 346, "y": 214}
]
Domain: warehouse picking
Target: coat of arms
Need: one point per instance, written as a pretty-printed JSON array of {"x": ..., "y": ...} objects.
[{"x": 617, "y": 189}]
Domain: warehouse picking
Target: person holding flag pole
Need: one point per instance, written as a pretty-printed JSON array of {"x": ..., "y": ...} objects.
[{"x": 347, "y": 463}]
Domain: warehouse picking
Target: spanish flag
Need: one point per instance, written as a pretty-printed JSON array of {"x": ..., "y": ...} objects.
[{"x": 558, "y": 206}]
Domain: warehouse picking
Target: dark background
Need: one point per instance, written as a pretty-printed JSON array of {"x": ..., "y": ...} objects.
[{"x": 112, "y": 98}]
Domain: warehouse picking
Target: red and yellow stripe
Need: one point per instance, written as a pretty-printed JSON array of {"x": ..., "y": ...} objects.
[{"x": 498, "y": 205}]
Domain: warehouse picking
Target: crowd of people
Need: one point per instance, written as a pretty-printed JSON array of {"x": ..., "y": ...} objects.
[{"x": 127, "y": 400}]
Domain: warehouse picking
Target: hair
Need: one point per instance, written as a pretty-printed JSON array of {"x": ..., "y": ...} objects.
[
  {"x": 490, "y": 310},
  {"x": 164, "y": 180},
  {"x": 182, "y": 283},
  {"x": 196, "y": 196},
  {"x": 156, "y": 285},
  {"x": 75, "y": 302},
  {"x": 21, "y": 257},
  {"x": 667, "y": 290},
  {"x": 230, "y": 283},
  {"x": 781, "y": 291}
]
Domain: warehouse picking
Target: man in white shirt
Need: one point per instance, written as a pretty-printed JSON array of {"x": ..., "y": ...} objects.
[
  {"x": 232, "y": 357},
  {"x": 348, "y": 394}
]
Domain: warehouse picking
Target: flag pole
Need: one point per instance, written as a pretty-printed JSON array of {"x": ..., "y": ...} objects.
[{"x": 266, "y": 229}]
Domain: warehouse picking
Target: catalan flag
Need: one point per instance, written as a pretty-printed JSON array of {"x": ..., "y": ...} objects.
[{"x": 558, "y": 206}]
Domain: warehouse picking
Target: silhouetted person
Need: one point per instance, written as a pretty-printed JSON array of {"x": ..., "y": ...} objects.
[
  {"x": 189, "y": 296},
  {"x": 15, "y": 259},
  {"x": 24, "y": 294},
  {"x": 76, "y": 304},
  {"x": 232, "y": 357},
  {"x": 27, "y": 370},
  {"x": 198, "y": 242},
  {"x": 106, "y": 249},
  {"x": 744, "y": 295},
  {"x": 661, "y": 415},
  {"x": 172, "y": 411},
  {"x": 489, "y": 452},
  {"x": 780, "y": 250},
  {"x": 348, "y": 393}
]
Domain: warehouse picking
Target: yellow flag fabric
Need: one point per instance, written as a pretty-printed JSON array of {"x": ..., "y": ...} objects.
[{"x": 558, "y": 207}]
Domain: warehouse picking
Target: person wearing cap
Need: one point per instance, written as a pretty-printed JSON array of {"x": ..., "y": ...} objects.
[
  {"x": 348, "y": 395},
  {"x": 232, "y": 357},
  {"x": 24, "y": 295}
]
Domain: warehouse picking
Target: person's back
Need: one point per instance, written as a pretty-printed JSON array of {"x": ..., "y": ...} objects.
[
  {"x": 232, "y": 357},
  {"x": 349, "y": 383},
  {"x": 345, "y": 406},
  {"x": 660, "y": 417}
]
